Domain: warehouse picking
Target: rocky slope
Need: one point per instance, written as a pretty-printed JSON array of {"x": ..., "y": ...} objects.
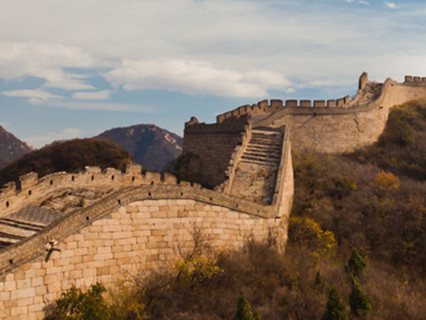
[
  {"x": 11, "y": 148},
  {"x": 149, "y": 145}
]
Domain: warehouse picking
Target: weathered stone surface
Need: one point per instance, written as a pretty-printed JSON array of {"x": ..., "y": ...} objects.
[{"x": 145, "y": 245}]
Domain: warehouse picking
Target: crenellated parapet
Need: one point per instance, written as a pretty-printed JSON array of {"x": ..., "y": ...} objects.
[
  {"x": 32, "y": 190},
  {"x": 267, "y": 107},
  {"x": 228, "y": 125},
  {"x": 414, "y": 79}
]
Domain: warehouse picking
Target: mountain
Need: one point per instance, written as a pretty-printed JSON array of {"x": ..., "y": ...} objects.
[
  {"x": 11, "y": 148},
  {"x": 149, "y": 145},
  {"x": 71, "y": 156}
]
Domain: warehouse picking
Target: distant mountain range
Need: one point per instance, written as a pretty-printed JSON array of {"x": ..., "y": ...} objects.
[
  {"x": 11, "y": 148},
  {"x": 149, "y": 145}
]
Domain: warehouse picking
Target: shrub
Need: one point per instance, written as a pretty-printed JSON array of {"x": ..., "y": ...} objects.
[
  {"x": 128, "y": 303},
  {"x": 386, "y": 181},
  {"x": 343, "y": 187},
  {"x": 335, "y": 307},
  {"x": 195, "y": 269},
  {"x": 77, "y": 305},
  {"x": 399, "y": 125},
  {"x": 244, "y": 310},
  {"x": 308, "y": 233}
]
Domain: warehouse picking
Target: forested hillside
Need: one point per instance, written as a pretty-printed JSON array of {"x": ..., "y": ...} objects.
[{"x": 71, "y": 156}]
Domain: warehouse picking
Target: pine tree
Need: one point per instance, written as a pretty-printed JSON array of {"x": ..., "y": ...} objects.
[
  {"x": 356, "y": 263},
  {"x": 244, "y": 310},
  {"x": 335, "y": 307},
  {"x": 358, "y": 300}
]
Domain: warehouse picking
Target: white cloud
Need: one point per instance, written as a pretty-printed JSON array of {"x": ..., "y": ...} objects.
[
  {"x": 46, "y": 61},
  {"x": 390, "y": 5},
  {"x": 101, "y": 106},
  {"x": 194, "y": 77},
  {"x": 39, "y": 141},
  {"x": 96, "y": 95},
  {"x": 232, "y": 35},
  {"x": 364, "y": 2},
  {"x": 34, "y": 96}
]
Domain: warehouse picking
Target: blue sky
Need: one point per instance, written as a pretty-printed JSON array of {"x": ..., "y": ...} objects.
[{"x": 76, "y": 68}]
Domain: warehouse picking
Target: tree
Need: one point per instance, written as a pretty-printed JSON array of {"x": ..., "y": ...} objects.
[
  {"x": 356, "y": 263},
  {"x": 77, "y": 305},
  {"x": 335, "y": 307},
  {"x": 244, "y": 310},
  {"x": 358, "y": 300}
]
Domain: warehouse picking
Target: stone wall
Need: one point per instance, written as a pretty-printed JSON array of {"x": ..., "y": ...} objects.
[
  {"x": 336, "y": 126},
  {"x": 32, "y": 190},
  {"x": 134, "y": 230},
  {"x": 213, "y": 146},
  {"x": 344, "y": 130}
]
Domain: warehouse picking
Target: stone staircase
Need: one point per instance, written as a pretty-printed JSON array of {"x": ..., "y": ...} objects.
[
  {"x": 24, "y": 223},
  {"x": 256, "y": 172}
]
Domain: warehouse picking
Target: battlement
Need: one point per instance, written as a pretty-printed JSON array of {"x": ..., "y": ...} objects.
[
  {"x": 31, "y": 190},
  {"x": 265, "y": 107},
  {"x": 409, "y": 79}
]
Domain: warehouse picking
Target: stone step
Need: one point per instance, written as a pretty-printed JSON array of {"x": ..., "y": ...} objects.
[
  {"x": 259, "y": 158},
  {"x": 265, "y": 155},
  {"x": 16, "y": 231},
  {"x": 266, "y": 132},
  {"x": 265, "y": 146},
  {"x": 263, "y": 149},
  {"x": 266, "y": 138},
  {"x": 8, "y": 241},
  {"x": 20, "y": 225},
  {"x": 261, "y": 136},
  {"x": 260, "y": 163},
  {"x": 25, "y": 222},
  {"x": 260, "y": 144}
]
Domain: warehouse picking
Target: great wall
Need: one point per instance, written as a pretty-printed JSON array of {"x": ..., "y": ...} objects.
[{"x": 74, "y": 229}]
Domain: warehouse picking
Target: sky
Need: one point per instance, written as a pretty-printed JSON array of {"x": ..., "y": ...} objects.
[{"x": 77, "y": 68}]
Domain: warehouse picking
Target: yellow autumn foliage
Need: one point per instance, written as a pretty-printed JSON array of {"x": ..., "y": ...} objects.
[
  {"x": 308, "y": 233},
  {"x": 387, "y": 181},
  {"x": 196, "y": 269}
]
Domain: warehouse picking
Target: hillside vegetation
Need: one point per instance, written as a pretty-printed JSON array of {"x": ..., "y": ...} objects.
[
  {"x": 71, "y": 156},
  {"x": 356, "y": 247}
]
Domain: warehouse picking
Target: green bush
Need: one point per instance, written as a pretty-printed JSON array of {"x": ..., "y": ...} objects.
[
  {"x": 335, "y": 307},
  {"x": 359, "y": 301},
  {"x": 356, "y": 263},
  {"x": 244, "y": 310},
  {"x": 77, "y": 305}
]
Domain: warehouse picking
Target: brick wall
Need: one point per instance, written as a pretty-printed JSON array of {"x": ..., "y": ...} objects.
[{"x": 142, "y": 236}]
